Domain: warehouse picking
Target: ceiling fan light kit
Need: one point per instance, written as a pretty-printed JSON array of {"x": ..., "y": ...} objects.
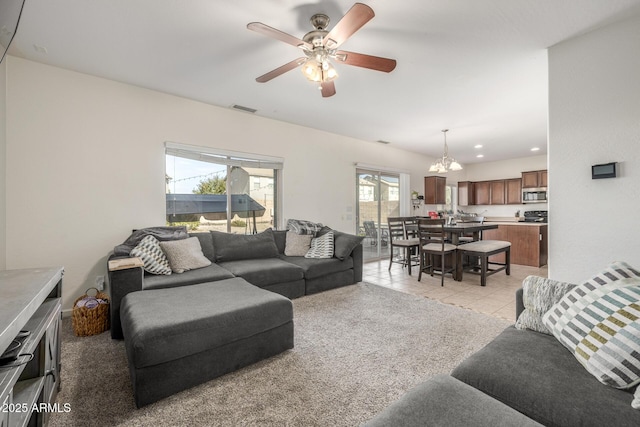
[
  {"x": 320, "y": 46},
  {"x": 446, "y": 163}
]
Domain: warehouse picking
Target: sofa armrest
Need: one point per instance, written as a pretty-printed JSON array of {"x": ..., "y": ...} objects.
[
  {"x": 357, "y": 255},
  {"x": 121, "y": 282},
  {"x": 519, "y": 302}
]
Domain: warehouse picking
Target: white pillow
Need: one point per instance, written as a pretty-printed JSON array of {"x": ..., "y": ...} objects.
[
  {"x": 297, "y": 244},
  {"x": 184, "y": 254}
]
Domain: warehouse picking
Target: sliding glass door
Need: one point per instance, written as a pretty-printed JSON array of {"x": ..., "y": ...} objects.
[{"x": 378, "y": 197}]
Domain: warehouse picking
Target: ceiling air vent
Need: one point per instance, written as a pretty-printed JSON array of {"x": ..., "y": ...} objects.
[
  {"x": 383, "y": 142},
  {"x": 245, "y": 109}
]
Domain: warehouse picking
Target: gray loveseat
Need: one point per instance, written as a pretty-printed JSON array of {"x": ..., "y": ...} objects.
[
  {"x": 259, "y": 259},
  {"x": 528, "y": 371}
]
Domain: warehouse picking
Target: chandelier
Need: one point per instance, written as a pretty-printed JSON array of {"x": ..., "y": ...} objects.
[{"x": 446, "y": 163}]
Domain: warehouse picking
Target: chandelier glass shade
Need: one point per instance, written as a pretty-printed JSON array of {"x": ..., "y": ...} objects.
[
  {"x": 446, "y": 163},
  {"x": 318, "y": 69}
]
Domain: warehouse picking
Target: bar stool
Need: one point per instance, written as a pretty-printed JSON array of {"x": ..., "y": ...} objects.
[
  {"x": 398, "y": 238},
  {"x": 432, "y": 243}
]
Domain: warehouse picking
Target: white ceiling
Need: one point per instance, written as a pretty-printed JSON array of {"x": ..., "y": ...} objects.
[{"x": 476, "y": 67}]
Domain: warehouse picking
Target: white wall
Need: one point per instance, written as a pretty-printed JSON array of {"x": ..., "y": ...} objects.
[
  {"x": 86, "y": 165},
  {"x": 3, "y": 162},
  {"x": 594, "y": 117}
]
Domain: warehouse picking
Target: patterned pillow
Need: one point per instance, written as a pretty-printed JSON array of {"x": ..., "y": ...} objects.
[
  {"x": 321, "y": 247},
  {"x": 184, "y": 254},
  {"x": 557, "y": 318},
  {"x": 599, "y": 322},
  {"x": 297, "y": 244},
  {"x": 538, "y": 296},
  {"x": 152, "y": 256},
  {"x": 300, "y": 226}
]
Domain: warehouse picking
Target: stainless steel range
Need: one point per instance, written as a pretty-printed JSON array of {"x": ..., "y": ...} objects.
[{"x": 535, "y": 216}]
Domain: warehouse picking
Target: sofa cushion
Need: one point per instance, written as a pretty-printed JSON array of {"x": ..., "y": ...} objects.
[
  {"x": 184, "y": 254},
  {"x": 297, "y": 244},
  {"x": 264, "y": 272},
  {"x": 233, "y": 247},
  {"x": 321, "y": 247},
  {"x": 539, "y": 294},
  {"x": 343, "y": 243},
  {"x": 444, "y": 401},
  {"x": 534, "y": 374},
  {"x": 210, "y": 273},
  {"x": 153, "y": 258},
  {"x": 206, "y": 243},
  {"x": 280, "y": 237},
  {"x": 197, "y": 318},
  {"x": 314, "y": 268}
]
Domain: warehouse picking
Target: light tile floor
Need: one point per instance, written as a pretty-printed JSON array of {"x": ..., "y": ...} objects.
[{"x": 496, "y": 299}]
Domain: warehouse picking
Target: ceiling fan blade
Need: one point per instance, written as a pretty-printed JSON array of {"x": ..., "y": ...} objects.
[
  {"x": 366, "y": 61},
  {"x": 281, "y": 70},
  {"x": 352, "y": 21},
  {"x": 268, "y": 31},
  {"x": 328, "y": 89}
]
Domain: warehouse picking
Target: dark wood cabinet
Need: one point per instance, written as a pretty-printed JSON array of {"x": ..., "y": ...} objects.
[
  {"x": 435, "y": 190},
  {"x": 528, "y": 243},
  {"x": 466, "y": 193},
  {"x": 534, "y": 179},
  {"x": 513, "y": 191},
  {"x": 497, "y": 192},
  {"x": 482, "y": 193}
]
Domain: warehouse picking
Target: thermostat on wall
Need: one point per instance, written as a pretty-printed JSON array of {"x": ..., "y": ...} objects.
[{"x": 607, "y": 170}]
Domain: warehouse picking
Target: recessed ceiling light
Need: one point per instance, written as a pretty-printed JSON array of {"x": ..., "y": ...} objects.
[
  {"x": 477, "y": 146},
  {"x": 480, "y": 155},
  {"x": 535, "y": 149}
]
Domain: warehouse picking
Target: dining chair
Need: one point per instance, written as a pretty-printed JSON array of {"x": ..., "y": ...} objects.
[
  {"x": 371, "y": 232},
  {"x": 432, "y": 244},
  {"x": 399, "y": 238},
  {"x": 466, "y": 238}
]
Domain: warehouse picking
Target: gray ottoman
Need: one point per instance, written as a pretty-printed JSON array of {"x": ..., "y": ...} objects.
[
  {"x": 445, "y": 401},
  {"x": 177, "y": 338}
]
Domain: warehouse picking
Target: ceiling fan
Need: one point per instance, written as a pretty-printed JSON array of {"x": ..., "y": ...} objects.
[{"x": 320, "y": 46}]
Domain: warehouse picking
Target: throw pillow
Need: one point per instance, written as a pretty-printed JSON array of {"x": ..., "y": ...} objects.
[
  {"x": 300, "y": 226},
  {"x": 539, "y": 295},
  {"x": 635, "y": 404},
  {"x": 604, "y": 333},
  {"x": 558, "y": 317},
  {"x": 321, "y": 247},
  {"x": 297, "y": 244},
  {"x": 153, "y": 258},
  {"x": 185, "y": 254},
  {"x": 343, "y": 243}
]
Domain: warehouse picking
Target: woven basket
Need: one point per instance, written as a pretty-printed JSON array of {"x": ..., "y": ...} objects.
[{"x": 90, "y": 321}]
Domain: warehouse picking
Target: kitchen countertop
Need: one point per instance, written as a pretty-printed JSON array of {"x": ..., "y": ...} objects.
[{"x": 511, "y": 221}]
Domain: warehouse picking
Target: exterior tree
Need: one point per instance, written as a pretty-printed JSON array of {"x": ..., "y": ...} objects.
[{"x": 214, "y": 185}]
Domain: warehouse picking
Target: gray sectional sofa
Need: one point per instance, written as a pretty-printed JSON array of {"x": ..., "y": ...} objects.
[
  {"x": 259, "y": 259},
  {"x": 527, "y": 371}
]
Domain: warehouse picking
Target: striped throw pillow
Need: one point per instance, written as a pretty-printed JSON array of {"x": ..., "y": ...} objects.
[
  {"x": 599, "y": 322},
  {"x": 153, "y": 258},
  {"x": 321, "y": 247}
]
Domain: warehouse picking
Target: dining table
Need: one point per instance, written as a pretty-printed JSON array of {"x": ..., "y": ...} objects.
[{"x": 457, "y": 229}]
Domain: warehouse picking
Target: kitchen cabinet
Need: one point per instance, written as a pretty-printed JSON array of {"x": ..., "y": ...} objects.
[
  {"x": 482, "y": 193},
  {"x": 529, "y": 243},
  {"x": 466, "y": 193},
  {"x": 435, "y": 190},
  {"x": 534, "y": 179},
  {"x": 496, "y": 192},
  {"x": 513, "y": 191}
]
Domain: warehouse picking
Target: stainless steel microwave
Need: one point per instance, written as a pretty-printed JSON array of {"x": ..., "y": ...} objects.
[{"x": 534, "y": 195}]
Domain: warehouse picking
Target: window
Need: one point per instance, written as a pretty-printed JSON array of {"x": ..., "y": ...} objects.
[{"x": 209, "y": 189}]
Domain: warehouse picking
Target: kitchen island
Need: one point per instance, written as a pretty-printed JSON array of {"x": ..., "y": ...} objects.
[{"x": 529, "y": 241}]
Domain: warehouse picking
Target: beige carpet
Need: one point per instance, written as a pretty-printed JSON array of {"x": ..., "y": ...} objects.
[{"x": 357, "y": 349}]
